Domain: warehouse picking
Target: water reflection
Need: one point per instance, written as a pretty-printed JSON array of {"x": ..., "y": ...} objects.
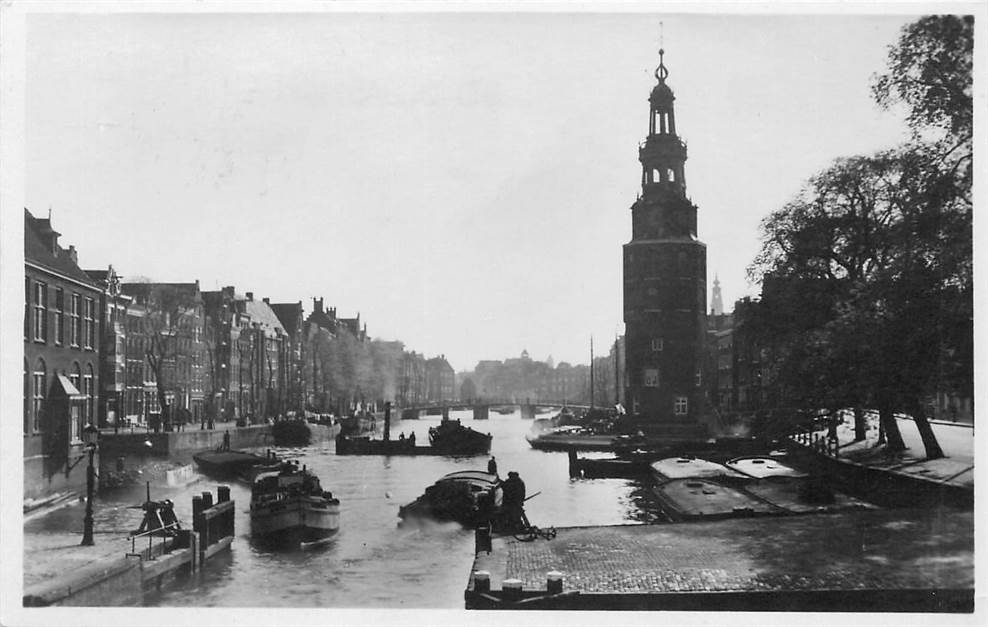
[{"x": 372, "y": 562}]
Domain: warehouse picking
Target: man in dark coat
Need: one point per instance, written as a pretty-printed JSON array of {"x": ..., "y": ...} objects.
[
  {"x": 513, "y": 498},
  {"x": 492, "y": 466}
]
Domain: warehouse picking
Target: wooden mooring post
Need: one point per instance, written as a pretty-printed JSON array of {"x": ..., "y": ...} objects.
[{"x": 213, "y": 523}]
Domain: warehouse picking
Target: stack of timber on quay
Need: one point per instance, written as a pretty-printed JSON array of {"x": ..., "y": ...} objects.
[
  {"x": 156, "y": 554},
  {"x": 861, "y": 561}
]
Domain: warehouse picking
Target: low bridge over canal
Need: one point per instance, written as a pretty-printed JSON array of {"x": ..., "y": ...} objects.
[{"x": 481, "y": 407}]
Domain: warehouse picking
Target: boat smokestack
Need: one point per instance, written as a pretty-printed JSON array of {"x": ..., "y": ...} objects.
[{"x": 387, "y": 420}]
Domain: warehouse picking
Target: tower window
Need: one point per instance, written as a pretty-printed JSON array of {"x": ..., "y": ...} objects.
[
  {"x": 651, "y": 377},
  {"x": 680, "y": 406},
  {"x": 657, "y": 344},
  {"x": 699, "y": 378}
]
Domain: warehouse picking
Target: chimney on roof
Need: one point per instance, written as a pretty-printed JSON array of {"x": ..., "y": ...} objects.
[
  {"x": 267, "y": 301},
  {"x": 317, "y": 305},
  {"x": 332, "y": 311},
  {"x": 73, "y": 255},
  {"x": 250, "y": 296}
]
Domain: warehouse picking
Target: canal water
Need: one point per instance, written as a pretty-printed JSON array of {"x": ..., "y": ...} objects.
[{"x": 373, "y": 562}]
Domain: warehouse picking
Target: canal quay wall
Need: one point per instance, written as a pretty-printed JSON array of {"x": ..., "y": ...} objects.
[
  {"x": 869, "y": 561},
  {"x": 152, "y": 562},
  {"x": 144, "y": 452},
  {"x": 884, "y": 486}
]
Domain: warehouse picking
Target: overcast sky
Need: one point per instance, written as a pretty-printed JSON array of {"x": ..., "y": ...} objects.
[{"x": 462, "y": 180}]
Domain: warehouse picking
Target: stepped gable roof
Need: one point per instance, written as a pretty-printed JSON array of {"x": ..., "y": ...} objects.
[
  {"x": 290, "y": 315},
  {"x": 38, "y": 236}
]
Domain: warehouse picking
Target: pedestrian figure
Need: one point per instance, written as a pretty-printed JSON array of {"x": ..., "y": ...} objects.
[
  {"x": 492, "y": 466},
  {"x": 401, "y": 437},
  {"x": 411, "y": 438},
  {"x": 226, "y": 440},
  {"x": 513, "y": 500}
]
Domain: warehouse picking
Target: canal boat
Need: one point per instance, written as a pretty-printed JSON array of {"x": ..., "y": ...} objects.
[
  {"x": 235, "y": 464},
  {"x": 450, "y": 437},
  {"x": 288, "y": 506},
  {"x": 610, "y": 467},
  {"x": 358, "y": 424},
  {"x": 468, "y": 497},
  {"x": 695, "y": 468},
  {"x": 695, "y": 499},
  {"x": 791, "y": 489},
  {"x": 504, "y": 411},
  {"x": 761, "y": 467},
  {"x": 570, "y": 437}
]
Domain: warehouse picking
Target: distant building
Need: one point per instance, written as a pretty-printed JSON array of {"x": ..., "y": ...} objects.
[
  {"x": 440, "y": 380},
  {"x": 113, "y": 343},
  {"x": 664, "y": 277},
  {"x": 292, "y": 321},
  {"x": 61, "y": 360},
  {"x": 166, "y": 322}
]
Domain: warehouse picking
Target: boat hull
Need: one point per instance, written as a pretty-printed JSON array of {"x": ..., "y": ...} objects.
[
  {"x": 366, "y": 446},
  {"x": 233, "y": 464},
  {"x": 294, "y": 520},
  {"x": 576, "y": 442}
]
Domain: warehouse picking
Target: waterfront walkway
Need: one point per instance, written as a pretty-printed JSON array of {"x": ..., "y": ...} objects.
[
  {"x": 891, "y": 551},
  {"x": 956, "y": 468}
]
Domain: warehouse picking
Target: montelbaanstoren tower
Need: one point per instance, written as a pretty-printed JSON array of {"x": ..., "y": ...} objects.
[{"x": 665, "y": 269}]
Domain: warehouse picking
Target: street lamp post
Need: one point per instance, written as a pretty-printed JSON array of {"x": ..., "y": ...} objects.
[{"x": 90, "y": 435}]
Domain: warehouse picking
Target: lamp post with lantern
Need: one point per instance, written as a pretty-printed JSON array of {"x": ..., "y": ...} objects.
[{"x": 90, "y": 436}]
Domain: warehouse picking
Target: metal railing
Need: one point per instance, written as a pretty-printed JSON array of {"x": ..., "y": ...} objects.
[
  {"x": 150, "y": 535},
  {"x": 816, "y": 441}
]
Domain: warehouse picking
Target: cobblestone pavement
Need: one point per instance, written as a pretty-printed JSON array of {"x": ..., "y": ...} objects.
[{"x": 890, "y": 549}]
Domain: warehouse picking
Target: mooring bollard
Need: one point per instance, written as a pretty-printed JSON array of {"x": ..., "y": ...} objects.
[
  {"x": 481, "y": 581},
  {"x": 511, "y": 589},
  {"x": 554, "y": 582},
  {"x": 482, "y": 539}
]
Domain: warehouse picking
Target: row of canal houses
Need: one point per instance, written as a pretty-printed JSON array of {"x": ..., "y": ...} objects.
[{"x": 159, "y": 356}]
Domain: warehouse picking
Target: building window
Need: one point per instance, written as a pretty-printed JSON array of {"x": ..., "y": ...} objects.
[
  {"x": 89, "y": 336},
  {"x": 38, "y": 396},
  {"x": 59, "y": 312},
  {"x": 699, "y": 377},
  {"x": 651, "y": 377},
  {"x": 680, "y": 406},
  {"x": 27, "y": 399},
  {"x": 75, "y": 321},
  {"x": 40, "y": 312},
  {"x": 657, "y": 344},
  {"x": 88, "y": 412},
  {"x": 27, "y": 308}
]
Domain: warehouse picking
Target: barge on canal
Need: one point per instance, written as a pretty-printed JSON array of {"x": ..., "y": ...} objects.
[
  {"x": 289, "y": 507},
  {"x": 449, "y": 437},
  {"x": 235, "y": 464}
]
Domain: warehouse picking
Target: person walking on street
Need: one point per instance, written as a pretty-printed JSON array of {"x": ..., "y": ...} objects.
[{"x": 492, "y": 466}]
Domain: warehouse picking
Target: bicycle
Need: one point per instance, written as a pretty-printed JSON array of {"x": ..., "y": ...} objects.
[{"x": 530, "y": 532}]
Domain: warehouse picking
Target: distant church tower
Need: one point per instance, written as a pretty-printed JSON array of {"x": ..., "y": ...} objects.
[
  {"x": 665, "y": 269},
  {"x": 717, "y": 307}
]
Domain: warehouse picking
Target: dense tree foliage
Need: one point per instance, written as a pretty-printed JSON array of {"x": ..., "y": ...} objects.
[{"x": 867, "y": 273}]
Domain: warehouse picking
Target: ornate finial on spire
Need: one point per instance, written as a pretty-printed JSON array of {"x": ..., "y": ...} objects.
[{"x": 661, "y": 72}]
